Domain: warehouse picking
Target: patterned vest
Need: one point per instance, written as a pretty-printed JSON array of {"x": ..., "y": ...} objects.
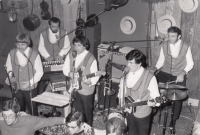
[
  {"x": 25, "y": 73},
  {"x": 171, "y": 65},
  {"x": 53, "y": 50},
  {"x": 85, "y": 65},
  {"x": 140, "y": 91}
]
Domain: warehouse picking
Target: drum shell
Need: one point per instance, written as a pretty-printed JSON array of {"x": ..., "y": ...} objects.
[{"x": 31, "y": 22}]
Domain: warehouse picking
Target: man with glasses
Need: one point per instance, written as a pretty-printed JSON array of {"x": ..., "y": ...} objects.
[
  {"x": 76, "y": 126},
  {"x": 15, "y": 124}
]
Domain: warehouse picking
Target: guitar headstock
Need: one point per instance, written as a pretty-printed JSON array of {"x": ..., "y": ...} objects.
[{"x": 100, "y": 73}]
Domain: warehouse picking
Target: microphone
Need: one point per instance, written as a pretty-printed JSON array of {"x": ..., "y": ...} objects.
[
  {"x": 118, "y": 66},
  {"x": 105, "y": 42},
  {"x": 109, "y": 4},
  {"x": 74, "y": 55}
]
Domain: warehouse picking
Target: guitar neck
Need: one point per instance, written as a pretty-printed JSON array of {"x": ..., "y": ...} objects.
[{"x": 137, "y": 103}]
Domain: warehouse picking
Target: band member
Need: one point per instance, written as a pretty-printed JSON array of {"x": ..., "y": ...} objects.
[
  {"x": 51, "y": 46},
  {"x": 86, "y": 62},
  {"x": 138, "y": 84},
  {"x": 115, "y": 126},
  {"x": 25, "y": 64},
  {"x": 15, "y": 124},
  {"x": 175, "y": 61}
]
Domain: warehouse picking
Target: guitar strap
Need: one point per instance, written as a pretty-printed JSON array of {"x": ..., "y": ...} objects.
[{"x": 85, "y": 61}]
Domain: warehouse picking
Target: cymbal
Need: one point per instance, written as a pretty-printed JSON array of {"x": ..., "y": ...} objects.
[
  {"x": 176, "y": 94},
  {"x": 171, "y": 86}
]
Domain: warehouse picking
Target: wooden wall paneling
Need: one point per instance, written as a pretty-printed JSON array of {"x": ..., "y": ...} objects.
[
  {"x": 190, "y": 25},
  {"x": 159, "y": 9},
  {"x": 22, "y": 13},
  {"x": 70, "y": 15}
]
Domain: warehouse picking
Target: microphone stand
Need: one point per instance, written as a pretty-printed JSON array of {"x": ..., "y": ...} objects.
[
  {"x": 108, "y": 88},
  {"x": 82, "y": 25}
]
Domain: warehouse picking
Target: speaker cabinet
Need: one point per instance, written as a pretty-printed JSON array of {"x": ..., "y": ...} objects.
[{"x": 93, "y": 34}]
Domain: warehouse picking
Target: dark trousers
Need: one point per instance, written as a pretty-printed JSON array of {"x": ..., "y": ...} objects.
[
  {"x": 24, "y": 100},
  {"x": 84, "y": 104},
  {"x": 138, "y": 126},
  {"x": 165, "y": 77}
]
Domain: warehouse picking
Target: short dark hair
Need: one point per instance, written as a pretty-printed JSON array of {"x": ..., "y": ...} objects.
[
  {"x": 175, "y": 29},
  {"x": 138, "y": 56},
  {"x": 83, "y": 40},
  {"x": 115, "y": 125},
  {"x": 54, "y": 20},
  {"x": 23, "y": 38},
  {"x": 11, "y": 105},
  {"x": 75, "y": 116}
]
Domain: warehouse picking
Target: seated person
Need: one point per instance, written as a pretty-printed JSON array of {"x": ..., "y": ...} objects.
[
  {"x": 74, "y": 126},
  {"x": 115, "y": 126},
  {"x": 15, "y": 124},
  {"x": 51, "y": 45}
]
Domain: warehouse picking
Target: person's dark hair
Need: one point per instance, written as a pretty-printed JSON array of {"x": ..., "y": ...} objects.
[
  {"x": 83, "y": 40},
  {"x": 75, "y": 116},
  {"x": 175, "y": 29},
  {"x": 11, "y": 105},
  {"x": 54, "y": 20},
  {"x": 138, "y": 56},
  {"x": 23, "y": 38},
  {"x": 115, "y": 125}
]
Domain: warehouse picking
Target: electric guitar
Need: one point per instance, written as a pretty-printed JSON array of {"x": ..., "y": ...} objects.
[
  {"x": 78, "y": 78},
  {"x": 130, "y": 103}
]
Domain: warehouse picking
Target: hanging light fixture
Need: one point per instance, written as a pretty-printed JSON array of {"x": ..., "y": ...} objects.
[{"x": 12, "y": 14}]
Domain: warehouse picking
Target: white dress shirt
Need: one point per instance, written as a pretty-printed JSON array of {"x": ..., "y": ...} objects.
[
  {"x": 78, "y": 60},
  {"x": 53, "y": 39},
  {"x": 37, "y": 65},
  {"x": 175, "y": 50}
]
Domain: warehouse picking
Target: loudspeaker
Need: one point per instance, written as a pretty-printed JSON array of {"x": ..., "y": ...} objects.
[{"x": 93, "y": 34}]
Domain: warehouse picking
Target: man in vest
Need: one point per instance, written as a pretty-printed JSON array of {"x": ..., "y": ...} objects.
[
  {"x": 86, "y": 62},
  {"x": 25, "y": 69},
  {"x": 138, "y": 84},
  {"x": 175, "y": 61},
  {"x": 51, "y": 46}
]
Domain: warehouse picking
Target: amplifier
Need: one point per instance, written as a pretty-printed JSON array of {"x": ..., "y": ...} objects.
[
  {"x": 59, "y": 82},
  {"x": 52, "y": 66}
]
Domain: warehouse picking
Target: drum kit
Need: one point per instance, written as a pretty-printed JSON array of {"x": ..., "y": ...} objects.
[{"x": 172, "y": 92}]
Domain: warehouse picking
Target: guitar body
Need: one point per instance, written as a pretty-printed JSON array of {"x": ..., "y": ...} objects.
[{"x": 78, "y": 79}]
